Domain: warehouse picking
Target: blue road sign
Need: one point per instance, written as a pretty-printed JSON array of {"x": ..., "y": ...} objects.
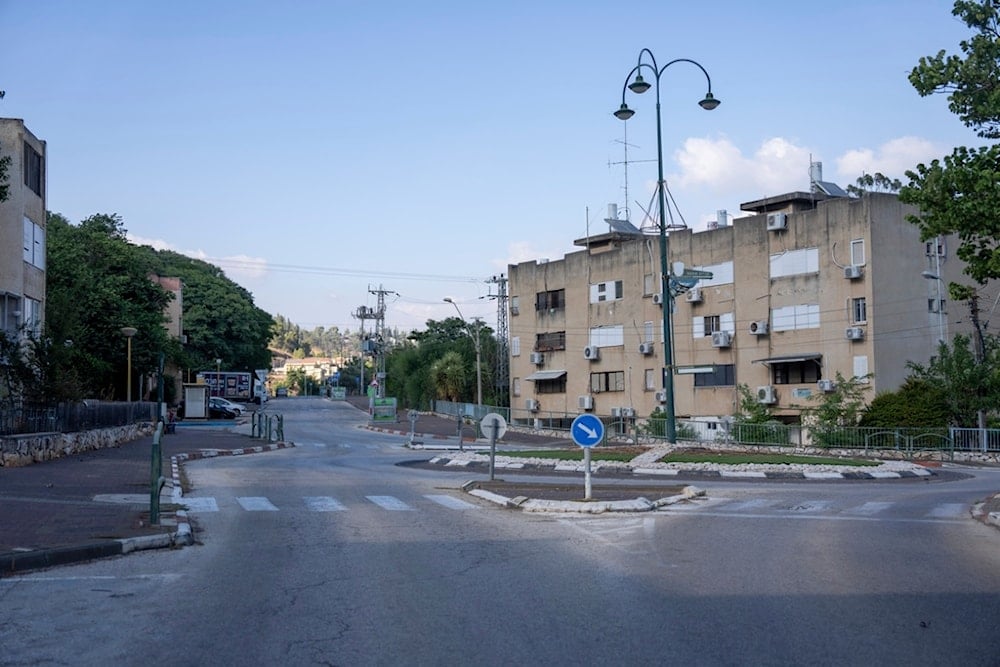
[{"x": 587, "y": 430}]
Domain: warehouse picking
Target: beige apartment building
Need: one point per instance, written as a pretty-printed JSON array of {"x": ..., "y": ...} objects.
[
  {"x": 805, "y": 287},
  {"x": 22, "y": 230}
]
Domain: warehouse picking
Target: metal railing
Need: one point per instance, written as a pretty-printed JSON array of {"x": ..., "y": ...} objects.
[
  {"x": 72, "y": 417},
  {"x": 267, "y": 426}
]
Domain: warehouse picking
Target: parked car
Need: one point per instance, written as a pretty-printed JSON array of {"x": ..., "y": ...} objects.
[
  {"x": 224, "y": 407},
  {"x": 281, "y": 392}
]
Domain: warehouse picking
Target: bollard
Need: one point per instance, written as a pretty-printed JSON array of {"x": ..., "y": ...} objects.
[{"x": 156, "y": 480}]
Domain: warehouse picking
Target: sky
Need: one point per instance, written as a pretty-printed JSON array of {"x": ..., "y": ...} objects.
[{"x": 321, "y": 152}]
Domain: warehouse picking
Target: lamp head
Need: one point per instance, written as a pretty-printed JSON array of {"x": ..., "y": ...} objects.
[
  {"x": 447, "y": 299},
  {"x": 624, "y": 113},
  {"x": 930, "y": 276},
  {"x": 129, "y": 331},
  {"x": 709, "y": 102},
  {"x": 639, "y": 85}
]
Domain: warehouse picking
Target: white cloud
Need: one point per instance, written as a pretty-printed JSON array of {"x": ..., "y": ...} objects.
[
  {"x": 236, "y": 267},
  {"x": 893, "y": 158}
]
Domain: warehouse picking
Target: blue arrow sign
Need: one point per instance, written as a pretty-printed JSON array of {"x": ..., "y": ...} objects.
[{"x": 587, "y": 430}]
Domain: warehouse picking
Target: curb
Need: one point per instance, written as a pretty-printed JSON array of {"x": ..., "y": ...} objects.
[
  {"x": 21, "y": 561},
  {"x": 562, "y": 467},
  {"x": 581, "y": 506}
]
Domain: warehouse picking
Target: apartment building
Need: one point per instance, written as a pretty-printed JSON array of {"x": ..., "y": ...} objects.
[
  {"x": 22, "y": 230},
  {"x": 807, "y": 286}
]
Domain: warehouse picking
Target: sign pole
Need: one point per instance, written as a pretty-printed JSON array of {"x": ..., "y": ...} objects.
[
  {"x": 587, "y": 430},
  {"x": 493, "y": 428},
  {"x": 586, "y": 473}
]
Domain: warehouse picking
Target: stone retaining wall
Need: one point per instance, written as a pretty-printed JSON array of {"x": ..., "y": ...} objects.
[{"x": 22, "y": 450}]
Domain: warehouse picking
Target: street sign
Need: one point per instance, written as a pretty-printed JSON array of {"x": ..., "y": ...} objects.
[
  {"x": 587, "y": 430},
  {"x": 491, "y": 420},
  {"x": 696, "y": 273}
]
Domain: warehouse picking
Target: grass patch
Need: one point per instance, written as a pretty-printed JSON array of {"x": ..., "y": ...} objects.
[{"x": 736, "y": 458}]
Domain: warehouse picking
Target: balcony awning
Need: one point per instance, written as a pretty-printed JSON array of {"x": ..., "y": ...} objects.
[
  {"x": 790, "y": 358},
  {"x": 545, "y": 375}
]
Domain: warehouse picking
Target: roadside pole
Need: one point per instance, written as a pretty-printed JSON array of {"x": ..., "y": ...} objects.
[
  {"x": 587, "y": 430},
  {"x": 494, "y": 426}
]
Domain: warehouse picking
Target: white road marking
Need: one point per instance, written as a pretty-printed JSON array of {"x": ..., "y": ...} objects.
[
  {"x": 948, "y": 511},
  {"x": 390, "y": 503},
  {"x": 200, "y": 504},
  {"x": 256, "y": 504},
  {"x": 452, "y": 502},
  {"x": 42, "y": 579},
  {"x": 323, "y": 504},
  {"x": 869, "y": 509}
]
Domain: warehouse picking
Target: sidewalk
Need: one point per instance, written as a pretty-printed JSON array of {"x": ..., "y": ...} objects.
[{"x": 94, "y": 504}]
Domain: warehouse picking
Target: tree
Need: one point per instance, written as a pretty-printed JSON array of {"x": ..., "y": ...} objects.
[
  {"x": 959, "y": 195},
  {"x": 876, "y": 182},
  {"x": 969, "y": 82},
  {"x": 835, "y": 413},
  {"x": 966, "y": 386},
  {"x": 918, "y": 403},
  {"x": 449, "y": 374}
]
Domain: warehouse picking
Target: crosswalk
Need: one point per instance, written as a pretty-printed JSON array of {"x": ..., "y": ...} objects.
[
  {"x": 198, "y": 504},
  {"x": 823, "y": 508}
]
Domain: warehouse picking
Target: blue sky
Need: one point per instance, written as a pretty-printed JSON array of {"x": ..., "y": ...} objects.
[{"x": 318, "y": 151}]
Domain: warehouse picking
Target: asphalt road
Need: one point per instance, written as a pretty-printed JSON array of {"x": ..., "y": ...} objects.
[{"x": 329, "y": 553}]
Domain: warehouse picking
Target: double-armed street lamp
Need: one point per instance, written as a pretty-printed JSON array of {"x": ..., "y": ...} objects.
[
  {"x": 475, "y": 340},
  {"x": 639, "y": 85},
  {"x": 128, "y": 332}
]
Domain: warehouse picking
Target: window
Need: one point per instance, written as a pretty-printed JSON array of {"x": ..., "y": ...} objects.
[
  {"x": 858, "y": 252},
  {"x": 515, "y": 346},
  {"x": 10, "y": 312},
  {"x": 32, "y": 316},
  {"x": 935, "y": 305},
  {"x": 551, "y": 300},
  {"x": 33, "y": 169},
  {"x": 649, "y": 332},
  {"x": 608, "y": 336},
  {"x": 553, "y": 386},
  {"x": 613, "y": 381},
  {"x": 546, "y": 342},
  {"x": 34, "y": 244},
  {"x": 515, "y": 305},
  {"x": 516, "y": 387},
  {"x": 796, "y": 372},
  {"x": 708, "y": 324},
  {"x": 609, "y": 291},
  {"x": 722, "y": 375},
  {"x": 935, "y": 248},
  {"x": 649, "y": 285},
  {"x": 861, "y": 368},
  {"x": 789, "y": 318},
  {"x": 859, "y": 310},
  {"x": 795, "y": 262},
  {"x": 649, "y": 379}
]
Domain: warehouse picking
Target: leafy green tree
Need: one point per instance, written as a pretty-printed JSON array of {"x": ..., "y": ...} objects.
[
  {"x": 450, "y": 375},
  {"x": 876, "y": 182},
  {"x": 98, "y": 283},
  {"x": 754, "y": 422},
  {"x": 918, "y": 403},
  {"x": 966, "y": 386},
  {"x": 834, "y": 414},
  {"x": 959, "y": 195}
]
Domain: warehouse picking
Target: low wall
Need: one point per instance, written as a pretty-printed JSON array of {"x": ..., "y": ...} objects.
[{"x": 22, "y": 450}]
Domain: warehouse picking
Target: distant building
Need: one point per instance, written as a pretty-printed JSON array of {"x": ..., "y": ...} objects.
[
  {"x": 22, "y": 230},
  {"x": 808, "y": 286}
]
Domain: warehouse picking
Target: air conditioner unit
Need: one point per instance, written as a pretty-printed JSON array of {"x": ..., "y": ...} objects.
[
  {"x": 592, "y": 352},
  {"x": 586, "y": 402},
  {"x": 646, "y": 348},
  {"x": 658, "y": 299},
  {"x": 852, "y": 272},
  {"x": 776, "y": 222},
  {"x": 531, "y": 404},
  {"x": 514, "y": 310},
  {"x": 721, "y": 339},
  {"x": 826, "y": 386},
  {"x": 661, "y": 396},
  {"x": 616, "y": 412},
  {"x": 628, "y": 412},
  {"x": 537, "y": 358},
  {"x": 767, "y": 394},
  {"x": 854, "y": 333},
  {"x": 759, "y": 328},
  {"x": 693, "y": 295}
]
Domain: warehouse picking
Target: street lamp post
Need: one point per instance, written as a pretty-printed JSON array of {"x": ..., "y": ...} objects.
[
  {"x": 639, "y": 86},
  {"x": 479, "y": 365},
  {"x": 128, "y": 333},
  {"x": 218, "y": 369}
]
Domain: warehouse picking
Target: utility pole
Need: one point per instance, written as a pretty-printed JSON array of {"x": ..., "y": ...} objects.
[
  {"x": 502, "y": 363},
  {"x": 364, "y": 313},
  {"x": 979, "y": 346},
  {"x": 380, "y": 337}
]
